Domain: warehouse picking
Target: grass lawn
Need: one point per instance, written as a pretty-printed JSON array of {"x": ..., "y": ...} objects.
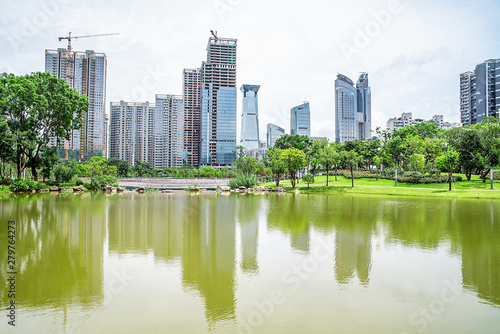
[{"x": 474, "y": 188}]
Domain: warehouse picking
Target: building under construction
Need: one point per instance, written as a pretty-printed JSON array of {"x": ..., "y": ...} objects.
[{"x": 86, "y": 72}]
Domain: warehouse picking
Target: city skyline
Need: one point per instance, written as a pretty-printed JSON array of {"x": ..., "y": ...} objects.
[{"x": 409, "y": 72}]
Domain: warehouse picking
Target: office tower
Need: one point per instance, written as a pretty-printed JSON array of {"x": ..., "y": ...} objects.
[
  {"x": 86, "y": 72},
  {"x": 218, "y": 103},
  {"x": 106, "y": 131},
  {"x": 169, "y": 132},
  {"x": 250, "y": 118},
  {"x": 131, "y": 131},
  {"x": 352, "y": 109},
  {"x": 478, "y": 92},
  {"x": 364, "y": 107},
  {"x": 273, "y": 133},
  {"x": 191, "y": 88},
  {"x": 300, "y": 120}
]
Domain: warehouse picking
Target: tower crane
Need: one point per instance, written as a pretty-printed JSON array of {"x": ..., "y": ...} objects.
[{"x": 68, "y": 80}]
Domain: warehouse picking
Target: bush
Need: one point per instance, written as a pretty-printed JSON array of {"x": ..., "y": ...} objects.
[
  {"x": 41, "y": 185},
  {"x": 23, "y": 185},
  {"x": 308, "y": 178},
  {"x": 87, "y": 186},
  {"x": 4, "y": 189},
  {"x": 65, "y": 170},
  {"x": 7, "y": 181},
  {"x": 245, "y": 180},
  {"x": 52, "y": 183},
  {"x": 79, "y": 182},
  {"x": 99, "y": 182}
]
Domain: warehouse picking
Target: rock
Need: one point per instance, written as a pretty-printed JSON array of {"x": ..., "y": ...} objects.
[
  {"x": 280, "y": 190},
  {"x": 43, "y": 190},
  {"x": 166, "y": 191},
  {"x": 141, "y": 190},
  {"x": 225, "y": 188},
  {"x": 78, "y": 189},
  {"x": 218, "y": 190},
  {"x": 54, "y": 188},
  {"x": 108, "y": 189},
  {"x": 242, "y": 188},
  {"x": 194, "y": 188},
  {"x": 120, "y": 190}
]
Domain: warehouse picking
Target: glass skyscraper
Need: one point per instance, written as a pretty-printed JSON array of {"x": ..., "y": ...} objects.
[
  {"x": 352, "y": 109},
  {"x": 86, "y": 72},
  {"x": 300, "y": 120},
  {"x": 250, "y": 118},
  {"x": 218, "y": 103},
  {"x": 273, "y": 133}
]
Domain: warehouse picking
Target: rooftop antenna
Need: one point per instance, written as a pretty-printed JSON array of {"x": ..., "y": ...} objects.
[{"x": 214, "y": 34}]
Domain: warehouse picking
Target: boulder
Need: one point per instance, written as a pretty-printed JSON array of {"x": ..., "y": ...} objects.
[
  {"x": 78, "y": 189},
  {"x": 43, "y": 190},
  {"x": 280, "y": 190},
  {"x": 194, "y": 188},
  {"x": 107, "y": 189},
  {"x": 242, "y": 188},
  {"x": 166, "y": 191},
  {"x": 54, "y": 188},
  {"x": 225, "y": 188},
  {"x": 141, "y": 190},
  {"x": 120, "y": 190}
]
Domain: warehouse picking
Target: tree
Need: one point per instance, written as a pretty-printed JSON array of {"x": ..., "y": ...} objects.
[
  {"x": 465, "y": 140},
  {"x": 6, "y": 146},
  {"x": 301, "y": 142},
  {"x": 447, "y": 162},
  {"x": 37, "y": 107},
  {"x": 489, "y": 139},
  {"x": 240, "y": 151},
  {"x": 122, "y": 166},
  {"x": 247, "y": 165},
  {"x": 328, "y": 157},
  {"x": 350, "y": 159},
  {"x": 101, "y": 173},
  {"x": 294, "y": 160},
  {"x": 65, "y": 170},
  {"x": 48, "y": 160},
  {"x": 276, "y": 163},
  {"x": 308, "y": 178},
  {"x": 142, "y": 169}
]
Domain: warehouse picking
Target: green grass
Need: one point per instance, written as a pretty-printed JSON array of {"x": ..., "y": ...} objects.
[{"x": 474, "y": 188}]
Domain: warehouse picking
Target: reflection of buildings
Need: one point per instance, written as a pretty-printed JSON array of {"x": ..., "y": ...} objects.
[
  {"x": 247, "y": 211},
  {"x": 60, "y": 252},
  {"x": 200, "y": 233}
]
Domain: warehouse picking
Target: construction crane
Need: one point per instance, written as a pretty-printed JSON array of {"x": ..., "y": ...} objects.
[
  {"x": 69, "y": 38},
  {"x": 68, "y": 80}
]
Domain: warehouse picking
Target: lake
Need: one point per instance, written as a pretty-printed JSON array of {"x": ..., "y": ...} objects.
[{"x": 182, "y": 263}]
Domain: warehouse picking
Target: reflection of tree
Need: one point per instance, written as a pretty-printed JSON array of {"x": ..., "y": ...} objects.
[
  {"x": 291, "y": 214},
  {"x": 479, "y": 240},
  {"x": 59, "y": 250}
]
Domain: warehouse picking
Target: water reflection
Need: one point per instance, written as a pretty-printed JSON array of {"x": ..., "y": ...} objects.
[
  {"x": 59, "y": 250},
  {"x": 64, "y": 241}
]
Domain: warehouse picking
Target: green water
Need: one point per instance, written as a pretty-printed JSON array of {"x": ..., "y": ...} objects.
[{"x": 162, "y": 263}]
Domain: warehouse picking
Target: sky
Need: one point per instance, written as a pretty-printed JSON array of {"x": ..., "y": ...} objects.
[{"x": 413, "y": 51}]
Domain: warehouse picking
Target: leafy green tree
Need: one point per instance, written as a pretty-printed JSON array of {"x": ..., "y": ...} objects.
[
  {"x": 48, "y": 160},
  {"x": 247, "y": 165},
  {"x": 6, "y": 146},
  {"x": 489, "y": 139},
  {"x": 428, "y": 129},
  {"x": 308, "y": 178},
  {"x": 240, "y": 151},
  {"x": 37, "y": 107},
  {"x": 465, "y": 140},
  {"x": 350, "y": 159},
  {"x": 122, "y": 166},
  {"x": 101, "y": 173},
  {"x": 294, "y": 160},
  {"x": 328, "y": 158},
  {"x": 276, "y": 163},
  {"x": 301, "y": 142},
  {"x": 447, "y": 163},
  {"x": 65, "y": 170},
  {"x": 142, "y": 169}
]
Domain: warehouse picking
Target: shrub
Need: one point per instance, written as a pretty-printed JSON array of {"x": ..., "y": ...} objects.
[
  {"x": 41, "y": 185},
  {"x": 65, "y": 170},
  {"x": 52, "y": 183},
  {"x": 23, "y": 185},
  {"x": 7, "y": 181},
  {"x": 99, "y": 182},
  {"x": 245, "y": 180},
  {"x": 79, "y": 182},
  {"x": 4, "y": 189},
  {"x": 308, "y": 178},
  {"x": 87, "y": 186}
]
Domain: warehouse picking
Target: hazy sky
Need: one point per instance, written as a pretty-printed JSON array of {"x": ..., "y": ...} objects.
[{"x": 413, "y": 50}]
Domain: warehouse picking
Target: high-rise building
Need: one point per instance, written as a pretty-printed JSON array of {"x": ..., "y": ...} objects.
[
  {"x": 169, "y": 132},
  {"x": 250, "y": 118},
  {"x": 273, "y": 133},
  {"x": 86, "y": 72},
  {"x": 300, "y": 120},
  {"x": 364, "y": 107},
  {"x": 131, "y": 135},
  {"x": 478, "y": 92},
  {"x": 191, "y": 88},
  {"x": 352, "y": 108},
  {"x": 218, "y": 103}
]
